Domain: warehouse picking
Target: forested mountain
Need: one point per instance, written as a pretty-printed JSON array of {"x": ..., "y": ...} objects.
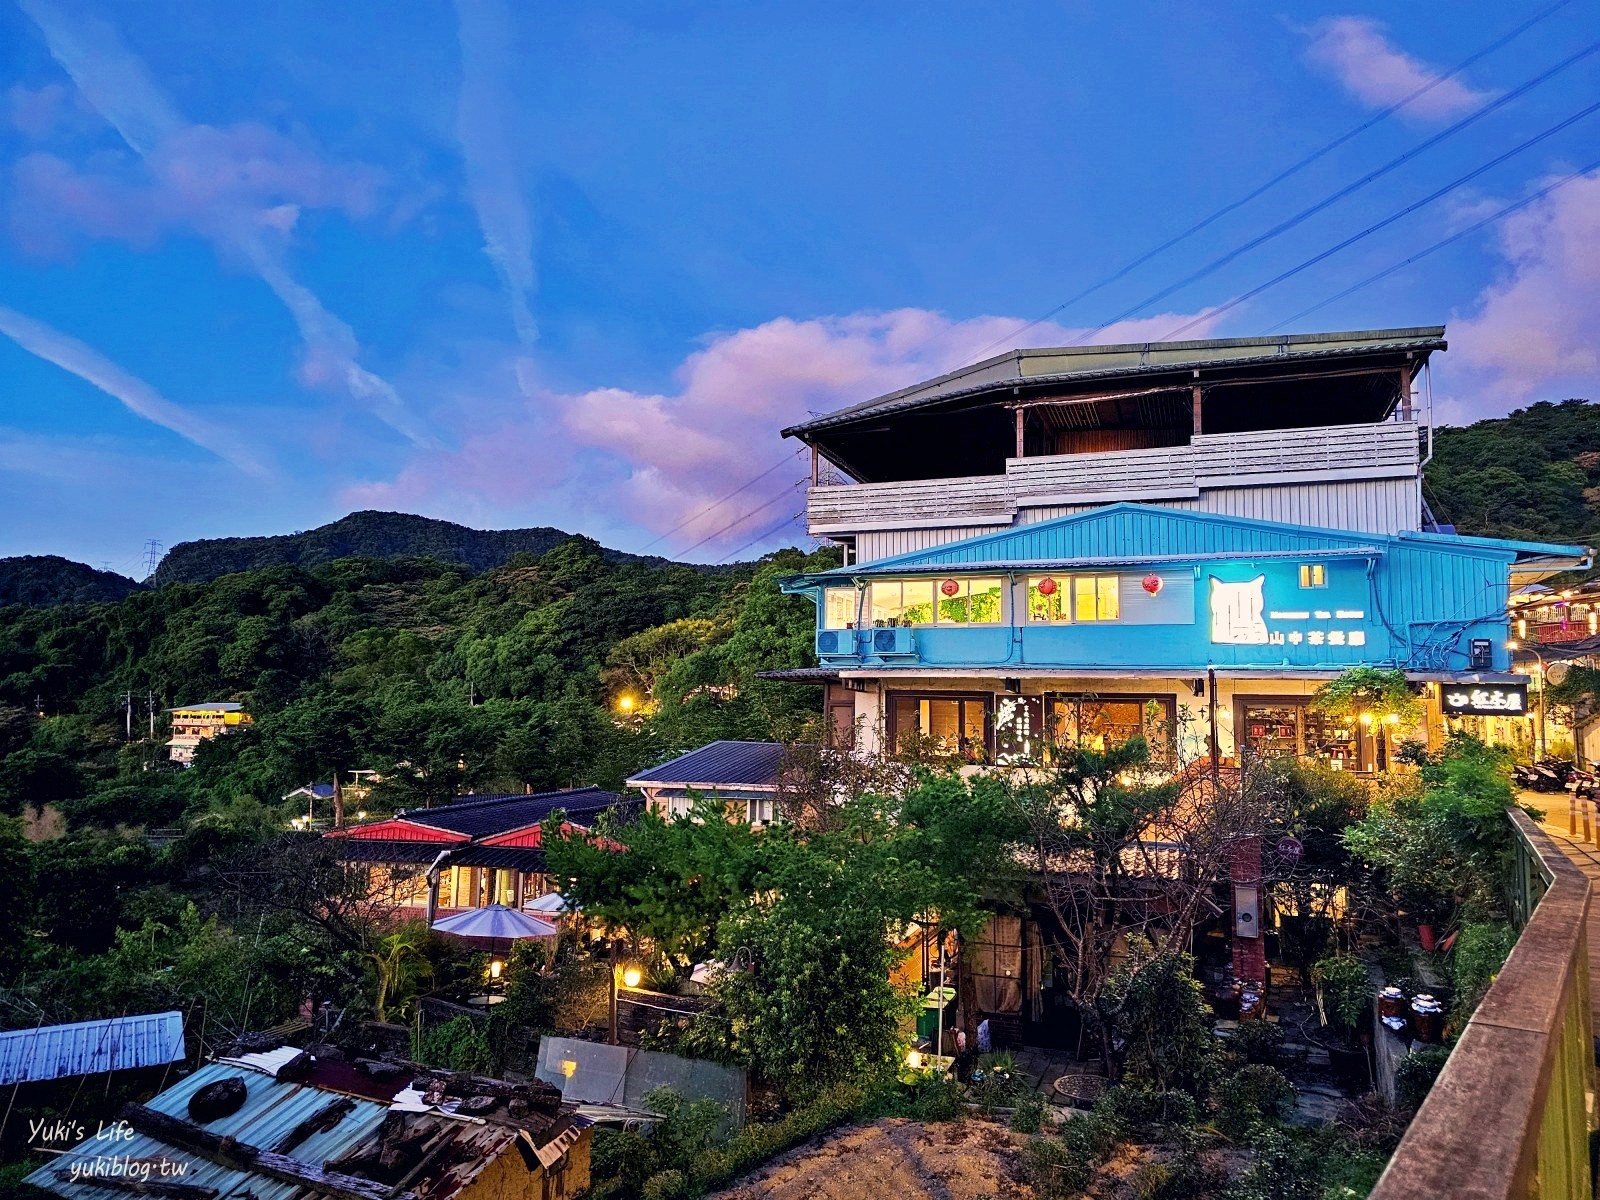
[
  {"x": 50, "y": 579},
  {"x": 1534, "y": 474},
  {"x": 365, "y": 534}
]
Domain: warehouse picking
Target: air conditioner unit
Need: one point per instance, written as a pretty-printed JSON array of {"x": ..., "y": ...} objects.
[
  {"x": 836, "y": 644},
  {"x": 894, "y": 641}
]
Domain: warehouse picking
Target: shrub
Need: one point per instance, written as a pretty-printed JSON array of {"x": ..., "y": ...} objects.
[
  {"x": 1250, "y": 1096},
  {"x": 666, "y": 1185},
  {"x": 1029, "y": 1115},
  {"x": 1281, "y": 1168},
  {"x": 1093, "y": 1135},
  {"x": 1159, "y": 1008},
  {"x": 1259, "y": 1042},
  {"x": 936, "y": 1099},
  {"x": 1151, "y": 1180},
  {"x": 1346, "y": 991},
  {"x": 1055, "y": 1169},
  {"x": 1415, "y": 1073},
  {"x": 1480, "y": 951},
  {"x": 460, "y": 1044},
  {"x": 1133, "y": 1106}
]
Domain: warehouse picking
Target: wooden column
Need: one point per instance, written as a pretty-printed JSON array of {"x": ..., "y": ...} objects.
[
  {"x": 1196, "y": 405},
  {"x": 1021, "y": 445},
  {"x": 1405, "y": 393},
  {"x": 816, "y": 466}
]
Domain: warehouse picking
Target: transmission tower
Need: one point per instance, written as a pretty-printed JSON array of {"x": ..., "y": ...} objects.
[{"x": 152, "y": 557}]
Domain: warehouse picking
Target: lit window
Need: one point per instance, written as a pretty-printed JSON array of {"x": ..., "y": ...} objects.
[
  {"x": 1313, "y": 575},
  {"x": 1047, "y": 599},
  {"x": 947, "y": 601},
  {"x": 839, "y": 608},
  {"x": 1094, "y": 598}
]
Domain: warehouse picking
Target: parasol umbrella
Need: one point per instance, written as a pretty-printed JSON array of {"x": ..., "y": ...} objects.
[
  {"x": 495, "y": 921},
  {"x": 550, "y": 902}
]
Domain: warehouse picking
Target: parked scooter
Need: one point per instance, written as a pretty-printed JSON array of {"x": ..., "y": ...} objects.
[
  {"x": 1551, "y": 775},
  {"x": 1585, "y": 785},
  {"x": 1524, "y": 777}
]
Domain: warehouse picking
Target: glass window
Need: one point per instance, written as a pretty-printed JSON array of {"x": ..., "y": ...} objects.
[
  {"x": 1047, "y": 598},
  {"x": 1102, "y": 722},
  {"x": 1094, "y": 598},
  {"x": 948, "y": 601},
  {"x": 941, "y": 726},
  {"x": 1313, "y": 575},
  {"x": 839, "y": 608}
]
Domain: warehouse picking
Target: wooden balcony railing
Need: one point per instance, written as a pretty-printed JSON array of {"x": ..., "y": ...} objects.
[
  {"x": 1340, "y": 453},
  {"x": 1509, "y": 1115}
]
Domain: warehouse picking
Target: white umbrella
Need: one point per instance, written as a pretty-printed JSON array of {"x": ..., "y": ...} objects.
[
  {"x": 550, "y": 902},
  {"x": 495, "y": 921}
]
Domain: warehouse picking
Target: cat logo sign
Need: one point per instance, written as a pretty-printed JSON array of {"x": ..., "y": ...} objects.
[{"x": 1236, "y": 610}]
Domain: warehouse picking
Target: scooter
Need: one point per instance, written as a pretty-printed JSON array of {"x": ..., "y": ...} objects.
[
  {"x": 1524, "y": 777},
  {"x": 1583, "y": 784},
  {"x": 1551, "y": 775}
]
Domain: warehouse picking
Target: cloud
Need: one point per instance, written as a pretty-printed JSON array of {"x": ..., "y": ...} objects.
[
  {"x": 1358, "y": 53},
  {"x": 1537, "y": 328},
  {"x": 493, "y": 171},
  {"x": 655, "y": 460},
  {"x": 137, "y": 396},
  {"x": 232, "y": 185}
]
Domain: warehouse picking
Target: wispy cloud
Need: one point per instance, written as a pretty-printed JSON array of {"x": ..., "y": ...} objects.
[
  {"x": 223, "y": 191},
  {"x": 1358, "y": 53},
  {"x": 136, "y": 395},
  {"x": 494, "y": 176},
  {"x": 655, "y": 460},
  {"x": 1537, "y": 328}
]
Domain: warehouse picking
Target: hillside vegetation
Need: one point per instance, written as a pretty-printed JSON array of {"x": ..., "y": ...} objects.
[
  {"x": 1534, "y": 474},
  {"x": 37, "y": 579},
  {"x": 366, "y": 534}
]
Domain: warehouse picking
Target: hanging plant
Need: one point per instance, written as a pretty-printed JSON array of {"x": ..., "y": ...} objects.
[{"x": 1372, "y": 691}]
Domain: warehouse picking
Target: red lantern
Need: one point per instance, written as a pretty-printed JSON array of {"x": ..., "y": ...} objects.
[
  {"x": 1047, "y": 586},
  {"x": 1152, "y": 583},
  {"x": 949, "y": 587}
]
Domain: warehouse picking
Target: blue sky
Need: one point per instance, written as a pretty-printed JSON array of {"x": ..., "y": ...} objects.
[{"x": 576, "y": 265}]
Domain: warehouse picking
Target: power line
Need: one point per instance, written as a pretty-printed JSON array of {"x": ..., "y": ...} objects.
[
  {"x": 715, "y": 504},
  {"x": 761, "y": 537},
  {"x": 1441, "y": 244},
  {"x": 1284, "y": 226},
  {"x": 1387, "y": 221},
  {"x": 1293, "y": 169},
  {"x": 741, "y": 517}
]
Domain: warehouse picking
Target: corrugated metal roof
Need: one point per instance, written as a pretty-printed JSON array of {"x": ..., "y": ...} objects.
[
  {"x": 1087, "y": 363},
  {"x": 741, "y": 764},
  {"x": 388, "y": 850},
  {"x": 89, "y": 1047},
  {"x": 481, "y": 816},
  {"x": 271, "y": 1109},
  {"x": 515, "y": 858}
]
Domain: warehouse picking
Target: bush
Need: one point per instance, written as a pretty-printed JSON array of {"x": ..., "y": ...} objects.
[
  {"x": 1415, "y": 1073},
  {"x": 1029, "y": 1115},
  {"x": 1480, "y": 951},
  {"x": 1093, "y": 1135},
  {"x": 666, "y": 1185},
  {"x": 1250, "y": 1096},
  {"x": 1259, "y": 1042},
  {"x": 1281, "y": 1168},
  {"x": 1054, "y": 1168},
  {"x": 1132, "y": 1106},
  {"x": 460, "y": 1044},
  {"x": 1159, "y": 1007},
  {"x": 1346, "y": 990}
]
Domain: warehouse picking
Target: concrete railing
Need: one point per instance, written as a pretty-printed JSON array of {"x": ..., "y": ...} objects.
[{"x": 1509, "y": 1116}]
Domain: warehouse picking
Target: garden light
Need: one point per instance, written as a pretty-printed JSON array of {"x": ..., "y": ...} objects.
[
  {"x": 495, "y": 967},
  {"x": 631, "y": 977},
  {"x": 1366, "y": 718}
]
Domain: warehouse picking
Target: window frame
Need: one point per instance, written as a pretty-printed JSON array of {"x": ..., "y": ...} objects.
[
  {"x": 895, "y": 698},
  {"x": 1099, "y": 599},
  {"x": 1313, "y": 576},
  {"x": 938, "y": 600},
  {"x": 1166, "y": 756},
  {"x": 855, "y": 607}
]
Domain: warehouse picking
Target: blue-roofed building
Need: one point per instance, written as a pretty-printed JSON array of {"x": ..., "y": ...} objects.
[
  {"x": 743, "y": 774},
  {"x": 49, "y": 1052},
  {"x": 1074, "y": 546}
]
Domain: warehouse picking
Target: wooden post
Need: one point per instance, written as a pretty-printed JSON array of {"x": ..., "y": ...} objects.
[
  {"x": 816, "y": 466},
  {"x": 1211, "y": 686},
  {"x": 1405, "y": 393},
  {"x": 1021, "y": 422},
  {"x": 1196, "y": 405}
]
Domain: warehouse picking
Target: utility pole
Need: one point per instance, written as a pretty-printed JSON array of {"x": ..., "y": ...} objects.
[
  {"x": 127, "y": 716},
  {"x": 150, "y": 706}
]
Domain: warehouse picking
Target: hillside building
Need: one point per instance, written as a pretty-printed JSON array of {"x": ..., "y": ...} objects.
[{"x": 199, "y": 722}]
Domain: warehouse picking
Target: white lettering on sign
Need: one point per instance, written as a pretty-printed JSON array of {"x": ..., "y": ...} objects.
[
  {"x": 1236, "y": 612},
  {"x": 1479, "y": 699}
]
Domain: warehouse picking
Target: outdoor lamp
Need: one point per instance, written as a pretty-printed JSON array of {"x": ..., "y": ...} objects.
[
  {"x": 631, "y": 976},
  {"x": 914, "y": 1059},
  {"x": 495, "y": 967},
  {"x": 1366, "y": 718},
  {"x": 625, "y": 703},
  {"x": 1392, "y": 719},
  {"x": 1511, "y": 644}
]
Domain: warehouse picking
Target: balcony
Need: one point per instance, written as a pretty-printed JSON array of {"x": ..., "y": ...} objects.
[
  {"x": 1328, "y": 455},
  {"x": 1508, "y": 1116}
]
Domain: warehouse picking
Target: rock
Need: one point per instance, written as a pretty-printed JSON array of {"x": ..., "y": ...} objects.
[
  {"x": 217, "y": 1100},
  {"x": 297, "y": 1069}
]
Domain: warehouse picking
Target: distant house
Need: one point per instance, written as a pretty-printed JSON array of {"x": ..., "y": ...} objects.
[
  {"x": 282, "y": 1126},
  {"x": 476, "y": 851},
  {"x": 743, "y": 774},
  {"x": 200, "y": 722}
]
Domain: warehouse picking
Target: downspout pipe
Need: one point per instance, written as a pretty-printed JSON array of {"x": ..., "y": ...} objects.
[{"x": 433, "y": 874}]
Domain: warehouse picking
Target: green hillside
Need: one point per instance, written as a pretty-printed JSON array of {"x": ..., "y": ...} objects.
[
  {"x": 365, "y": 534},
  {"x": 39, "y": 579}
]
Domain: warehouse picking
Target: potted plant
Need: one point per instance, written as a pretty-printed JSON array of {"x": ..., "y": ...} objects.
[{"x": 1344, "y": 994}]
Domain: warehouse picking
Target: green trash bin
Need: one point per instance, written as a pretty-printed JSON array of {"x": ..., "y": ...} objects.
[{"x": 928, "y": 1014}]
